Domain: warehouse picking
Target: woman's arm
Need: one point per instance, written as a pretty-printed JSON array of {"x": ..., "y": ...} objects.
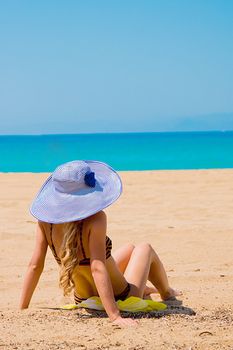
[
  {"x": 97, "y": 247},
  {"x": 35, "y": 267}
]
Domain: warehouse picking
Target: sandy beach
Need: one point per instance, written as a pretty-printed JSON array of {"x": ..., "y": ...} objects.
[{"x": 185, "y": 215}]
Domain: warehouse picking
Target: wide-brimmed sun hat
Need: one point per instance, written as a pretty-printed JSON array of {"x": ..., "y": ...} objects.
[{"x": 76, "y": 190}]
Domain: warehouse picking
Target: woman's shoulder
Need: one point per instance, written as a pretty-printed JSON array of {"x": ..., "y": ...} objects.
[
  {"x": 99, "y": 218},
  {"x": 44, "y": 226}
]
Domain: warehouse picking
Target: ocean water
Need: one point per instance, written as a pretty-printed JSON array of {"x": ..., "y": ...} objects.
[{"x": 125, "y": 151}]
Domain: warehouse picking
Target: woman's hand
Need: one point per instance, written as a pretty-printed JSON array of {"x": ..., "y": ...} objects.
[{"x": 124, "y": 322}]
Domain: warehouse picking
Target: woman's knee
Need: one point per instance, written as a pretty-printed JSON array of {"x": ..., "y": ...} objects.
[
  {"x": 129, "y": 247},
  {"x": 145, "y": 247},
  {"x": 123, "y": 253}
]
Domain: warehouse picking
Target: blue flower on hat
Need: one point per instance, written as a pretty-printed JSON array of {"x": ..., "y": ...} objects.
[{"x": 89, "y": 179}]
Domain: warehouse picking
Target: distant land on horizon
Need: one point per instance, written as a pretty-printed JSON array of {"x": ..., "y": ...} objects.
[{"x": 206, "y": 122}]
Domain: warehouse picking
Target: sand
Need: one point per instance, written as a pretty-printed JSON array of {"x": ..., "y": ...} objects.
[{"x": 185, "y": 215}]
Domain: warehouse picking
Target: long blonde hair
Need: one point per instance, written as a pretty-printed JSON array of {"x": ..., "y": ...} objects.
[{"x": 69, "y": 255}]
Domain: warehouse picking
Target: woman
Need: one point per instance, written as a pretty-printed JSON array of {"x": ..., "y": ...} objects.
[{"x": 69, "y": 208}]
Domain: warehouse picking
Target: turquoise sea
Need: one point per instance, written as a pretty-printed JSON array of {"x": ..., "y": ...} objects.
[{"x": 123, "y": 151}]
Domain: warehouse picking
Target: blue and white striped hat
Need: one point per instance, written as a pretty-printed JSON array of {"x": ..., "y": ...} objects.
[{"x": 76, "y": 190}]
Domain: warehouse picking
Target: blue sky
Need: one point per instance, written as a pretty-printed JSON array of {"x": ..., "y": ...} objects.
[{"x": 115, "y": 66}]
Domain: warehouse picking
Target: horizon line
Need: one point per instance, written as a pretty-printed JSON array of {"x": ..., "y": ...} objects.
[{"x": 121, "y": 132}]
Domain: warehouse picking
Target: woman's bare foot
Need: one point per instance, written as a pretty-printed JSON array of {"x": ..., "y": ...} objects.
[
  {"x": 149, "y": 290},
  {"x": 171, "y": 294}
]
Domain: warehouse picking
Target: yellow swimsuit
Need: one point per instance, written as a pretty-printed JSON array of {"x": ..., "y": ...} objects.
[{"x": 85, "y": 261}]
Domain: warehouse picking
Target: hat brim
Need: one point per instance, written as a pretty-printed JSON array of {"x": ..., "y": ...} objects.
[{"x": 53, "y": 206}]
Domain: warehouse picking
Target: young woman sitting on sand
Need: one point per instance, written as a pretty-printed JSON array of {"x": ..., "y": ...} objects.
[{"x": 69, "y": 208}]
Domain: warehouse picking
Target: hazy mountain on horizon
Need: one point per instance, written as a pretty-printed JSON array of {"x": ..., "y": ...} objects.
[{"x": 205, "y": 122}]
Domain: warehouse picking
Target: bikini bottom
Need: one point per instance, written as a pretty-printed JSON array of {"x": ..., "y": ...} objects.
[{"x": 122, "y": 296}]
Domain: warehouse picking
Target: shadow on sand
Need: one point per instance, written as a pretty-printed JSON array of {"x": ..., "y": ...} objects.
[{"x": 171, "y": 310}]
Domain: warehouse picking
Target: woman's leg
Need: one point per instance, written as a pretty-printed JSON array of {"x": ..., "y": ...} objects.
[
  {"x": 122, "y": 256},
  {"x": 144, "y": 264}
]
